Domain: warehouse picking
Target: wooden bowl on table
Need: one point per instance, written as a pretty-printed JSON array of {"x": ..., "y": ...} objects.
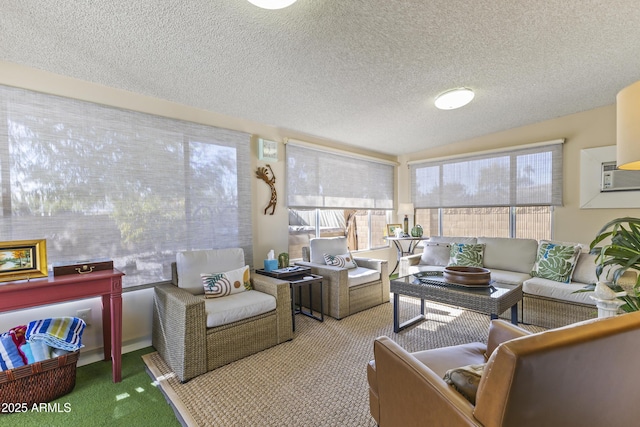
[{"x": 470, "y": 276}]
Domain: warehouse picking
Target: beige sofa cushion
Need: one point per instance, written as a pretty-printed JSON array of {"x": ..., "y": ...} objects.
[
  {"x": 504, "y": 253},
  {"x": 436, "y": 254},
  {"x": 556, "y": 290},
  {"x": 509, "y": 277},
  {"x": 449, "y": 239},
  {"x": 585, "y": 271},
  {"x": 437, "y": 250}
]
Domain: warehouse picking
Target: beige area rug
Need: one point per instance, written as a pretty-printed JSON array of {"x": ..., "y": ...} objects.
[{"x": 317, "y": 379}]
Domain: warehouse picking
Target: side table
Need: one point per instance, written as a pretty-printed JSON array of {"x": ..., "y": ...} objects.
[
  {"x": 397, "y": 241},
  {"x": 298, "y": 277},
  {"x": 106, "y": 284}
]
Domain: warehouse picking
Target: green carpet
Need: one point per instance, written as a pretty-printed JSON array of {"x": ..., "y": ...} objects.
[{"x": 97, "y": 401}]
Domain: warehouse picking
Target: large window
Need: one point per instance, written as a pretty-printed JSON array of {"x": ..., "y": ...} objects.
[
  {"x": 505, "y": 194},
  {"x": 101, "y": 182},
  {"x": 332, "y": 194}
]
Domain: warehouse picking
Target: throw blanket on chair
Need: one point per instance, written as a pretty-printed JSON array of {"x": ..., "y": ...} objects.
[{"x": 60, "y": 332}]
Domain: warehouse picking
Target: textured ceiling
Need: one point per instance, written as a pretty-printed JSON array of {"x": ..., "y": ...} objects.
[{"x": 358, "y": 72}]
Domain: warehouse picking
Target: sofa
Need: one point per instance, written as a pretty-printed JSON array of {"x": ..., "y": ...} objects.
[
  {"x": 577, "y": 375},
  {"x": 548, "y": 303}
]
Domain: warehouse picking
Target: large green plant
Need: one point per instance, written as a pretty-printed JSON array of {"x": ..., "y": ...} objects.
[{"x": 621, "y": 254}]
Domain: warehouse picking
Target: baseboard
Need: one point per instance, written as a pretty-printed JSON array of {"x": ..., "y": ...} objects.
[{"x": 97, "y": 354}]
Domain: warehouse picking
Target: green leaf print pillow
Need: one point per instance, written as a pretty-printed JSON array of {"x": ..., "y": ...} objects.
[
  {"x": 466, "y": 254},
  {"x": 555, "y": 261}
]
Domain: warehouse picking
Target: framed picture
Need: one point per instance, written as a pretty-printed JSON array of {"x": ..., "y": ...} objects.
[
  {"x": 23, "y": 259},
  {"x": 391, "y": 229},
  {"x": 267, "y": 150}
]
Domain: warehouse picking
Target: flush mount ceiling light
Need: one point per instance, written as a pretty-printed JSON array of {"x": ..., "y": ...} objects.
[
  {"x": 454, "y": 98},
  {"x": 272, "y": 4}
]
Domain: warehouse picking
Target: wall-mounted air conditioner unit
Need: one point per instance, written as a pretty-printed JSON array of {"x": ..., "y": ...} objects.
[{"x": 618, "y": 180}]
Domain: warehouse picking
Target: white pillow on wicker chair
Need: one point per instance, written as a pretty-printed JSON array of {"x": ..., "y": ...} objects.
[
  {"x": 190, "y": 264},
  {"x": 344, "y": 261},
  {"x": 218, "y": 285}
]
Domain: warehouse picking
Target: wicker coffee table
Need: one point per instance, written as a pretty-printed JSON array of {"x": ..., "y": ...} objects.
[{"x": 493, "y": 299}]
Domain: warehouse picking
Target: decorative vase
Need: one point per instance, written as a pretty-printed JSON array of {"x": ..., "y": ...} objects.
[
  {"x": 283, "y": 260},
  {"x": 417, "y": 231}
]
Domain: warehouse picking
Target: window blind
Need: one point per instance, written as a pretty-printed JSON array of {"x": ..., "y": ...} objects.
[
  {"x": 102, "y": 182},
  {"x": 525, "y": 177},
  {"x": 321, "y": 179}
]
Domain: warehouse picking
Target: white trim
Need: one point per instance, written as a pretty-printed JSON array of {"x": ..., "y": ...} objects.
[
  {"x": 496, "y": 150},
  {"x": 322, "y": 148}
]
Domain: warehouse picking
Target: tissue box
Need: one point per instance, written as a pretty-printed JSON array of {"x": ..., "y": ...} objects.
[{"x": 270, "y": 264}]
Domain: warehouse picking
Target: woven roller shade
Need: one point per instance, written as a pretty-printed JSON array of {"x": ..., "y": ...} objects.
[
  {"x": 525, "y": 177},
  {"x": 319, "y": 179}
]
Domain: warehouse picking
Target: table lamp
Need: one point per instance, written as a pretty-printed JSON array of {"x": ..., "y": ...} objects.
[{"x": 405, "y": 209}]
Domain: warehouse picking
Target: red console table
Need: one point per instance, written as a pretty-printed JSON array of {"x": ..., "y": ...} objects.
[{"x": 107, "y": 284}]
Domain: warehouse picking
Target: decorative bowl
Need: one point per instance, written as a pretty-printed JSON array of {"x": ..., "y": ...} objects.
[{"x": 467, "y": 275}]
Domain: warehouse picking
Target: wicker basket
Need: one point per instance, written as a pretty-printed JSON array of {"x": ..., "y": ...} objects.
[{"x": 39, "y": 382}]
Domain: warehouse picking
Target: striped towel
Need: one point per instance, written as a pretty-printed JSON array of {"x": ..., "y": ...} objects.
[
  {"x": 59, "y": 332},
  {"x": 9, "y": 356}
]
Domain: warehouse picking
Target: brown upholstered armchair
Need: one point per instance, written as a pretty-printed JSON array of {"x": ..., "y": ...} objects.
[
  {"x": 578, "y": 375},
  {"x": 194, "y": 334},
  {"x": 351, "y": 288}
]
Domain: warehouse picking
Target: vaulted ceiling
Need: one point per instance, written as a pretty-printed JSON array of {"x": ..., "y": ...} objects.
[{"x": 358, "y": 72}]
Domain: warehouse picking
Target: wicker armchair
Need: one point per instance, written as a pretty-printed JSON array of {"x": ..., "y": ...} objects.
[
  {"x": 347, "y": 290},
  {"x": 180, "y": 332}
]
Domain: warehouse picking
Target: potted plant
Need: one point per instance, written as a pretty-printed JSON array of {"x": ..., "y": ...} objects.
[{"x": 621, "y": 254}]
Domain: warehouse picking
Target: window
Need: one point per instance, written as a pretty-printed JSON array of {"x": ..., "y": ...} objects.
[
  {"x": 331, "y": 194},
  {"x": 101, "y": 182},
  {"x": 364, "y": 229},
  {"x": 533, "y": 222},
  {"x": 505, "y": 194}
]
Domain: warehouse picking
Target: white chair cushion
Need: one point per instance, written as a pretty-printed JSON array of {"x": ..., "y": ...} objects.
[
  {"x": 190, "y": 264},
  {"x": 360, "y": 275},
  {"x": 234, "y": 307},
  {"x": 327, "y": 245}
]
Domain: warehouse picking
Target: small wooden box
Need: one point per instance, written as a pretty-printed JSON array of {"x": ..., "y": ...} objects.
[{"x": 82, "y": 267}]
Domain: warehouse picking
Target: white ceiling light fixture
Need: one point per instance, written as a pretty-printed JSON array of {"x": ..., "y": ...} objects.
[
  {"x": 454, "y": 98},
  {"x": 272, "y": 4}
]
